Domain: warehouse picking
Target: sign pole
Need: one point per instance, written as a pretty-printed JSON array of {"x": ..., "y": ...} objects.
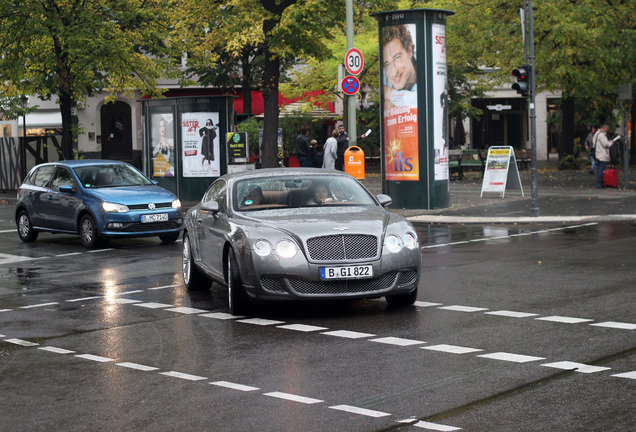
[
  {"x": 351, "y": 100},
  {"x": 534, "y": 209}
]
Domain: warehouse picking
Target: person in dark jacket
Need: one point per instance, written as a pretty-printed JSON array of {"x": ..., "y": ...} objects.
[{"x": 303, "y": 148}]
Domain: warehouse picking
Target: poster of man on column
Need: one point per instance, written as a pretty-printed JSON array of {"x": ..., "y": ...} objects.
[
  {"x": 440, "y": 102},
  {"x": 399, "y": 78},
  {"x": 200, "y": 135}
]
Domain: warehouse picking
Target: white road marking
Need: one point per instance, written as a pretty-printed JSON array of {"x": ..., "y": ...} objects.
[
  {"x": 348, "y": 334},
  {"x": 129, "y": 292},
  {"x": 398, "y": 341},
  {"x": 8, "y": 231},
  {"x": 234, "y": 386},
  {"x": 38, "y": 305},
  {"x": 426, "y": 304},
  {"x": 186, "y": 310},
  {"x": 84, "y": 299},
  {"x": 577, "y": 367},
  {"x": 222, "y": 316},
  {"x": 6, "y": 310},
  {"x": 630, "y": 375},
  {"x": 95, "y": 358},
  {"x": 137, "y": 366},
  {"x": 435, "y": 426},
  {"x": 21, "y": 342},
  {"x": 162, "y": 287},
  {"x": 562, "y": 319},
  {"x": 183, "y": 376},
  {"x": 458, "y": 308},
  {"x": 8, "y": 258},
  {"x": 56, "y": 350},
  {"x": 616, "y": 325},
  {"x": 517, "y": 358},
  {"x": 452, "y": 349},
  {"x": 69, "y": 254},
  {"x": 101, "y": 250},
  {"x": 511, "y": 314},
  {"x": 293, "y": 397},
  {"x": 260, "y": 321},
  {"x": 302, "y": 327},
  {"x": 153, "y": 305},
  {"x": 361, "y": 411}
]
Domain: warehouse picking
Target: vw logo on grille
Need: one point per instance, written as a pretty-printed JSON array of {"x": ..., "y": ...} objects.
[
  {"x": 340, "y": 228},
  {"x": 151, "y": 206}
]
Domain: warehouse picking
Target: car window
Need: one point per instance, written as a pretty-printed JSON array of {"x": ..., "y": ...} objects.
[
  {"x": 300, "y": 191},
  {"x": 62, "y": 177},
  {"x": 217, "y": 192},
  {"x": 42, "y": 176},
  {"x": 119, "y": 175}
]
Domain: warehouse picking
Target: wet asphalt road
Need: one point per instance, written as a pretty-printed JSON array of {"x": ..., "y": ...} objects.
[{"x": 516, "y": 328}]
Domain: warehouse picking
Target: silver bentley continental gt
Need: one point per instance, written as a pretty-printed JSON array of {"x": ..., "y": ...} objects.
[{"x": 299, "y": 234}]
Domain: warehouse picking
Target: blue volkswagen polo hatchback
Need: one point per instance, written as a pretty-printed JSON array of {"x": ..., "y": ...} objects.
[{"x": 97, "y": 199}]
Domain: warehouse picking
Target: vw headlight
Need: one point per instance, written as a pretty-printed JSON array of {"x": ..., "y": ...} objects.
[
  {"x": 114, "y": 208},
  {"x": 286, "y": 249},
  {"x": 393, "y": 243},
  {"x": 262, "y": 248},
  {"x": 176, "y": 204}
]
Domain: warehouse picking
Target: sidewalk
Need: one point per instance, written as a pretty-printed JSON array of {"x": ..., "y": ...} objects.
[{"x": 563, "y": 196}]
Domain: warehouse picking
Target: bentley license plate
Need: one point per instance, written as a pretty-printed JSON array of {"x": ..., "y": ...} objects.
[
  {"x": 159, "y": 217},
  {"x": 347, "y": 272}
]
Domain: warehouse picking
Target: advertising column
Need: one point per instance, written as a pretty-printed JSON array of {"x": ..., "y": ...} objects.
[{"x": 414, "y": 107}]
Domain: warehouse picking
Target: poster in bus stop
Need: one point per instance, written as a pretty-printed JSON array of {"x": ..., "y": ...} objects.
[
  {"x": 399, "y": 78},
  {"x": 200, "y": 144},
  {"x": 162, "y": 145},
  {"x": 440, "y": 102}
]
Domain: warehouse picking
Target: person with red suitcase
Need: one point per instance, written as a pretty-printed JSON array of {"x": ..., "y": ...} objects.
[{"x": 602, "y": 145}]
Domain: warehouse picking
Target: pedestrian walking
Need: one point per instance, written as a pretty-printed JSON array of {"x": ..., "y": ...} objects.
[
  {"x": 330, "y": 152},
  {"x": 303, "y": 147}
]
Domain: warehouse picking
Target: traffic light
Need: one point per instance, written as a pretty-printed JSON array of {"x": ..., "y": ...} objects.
[{"x": 522, "y": 86}]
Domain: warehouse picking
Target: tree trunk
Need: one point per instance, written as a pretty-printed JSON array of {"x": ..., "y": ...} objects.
[
  {"x": 271, "y": 76},
  {"x": 246, "y": 78},
  {"x": 566, "y": 146},
  {"x": 69, "y": 125}
]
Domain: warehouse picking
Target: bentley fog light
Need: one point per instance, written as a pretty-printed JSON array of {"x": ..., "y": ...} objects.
[
  {"x": 286, "y": 249},
  {"x": 262, "y": 248},
  {"x": 393, "y": 243}
]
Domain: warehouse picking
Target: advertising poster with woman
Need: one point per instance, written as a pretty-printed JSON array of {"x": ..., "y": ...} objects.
[
  {"x": 162, "y": 145},
  {"x": 399, "y": 78},
  {"x": 440, "y": 102},
  {"x": 200, "y": 135}
]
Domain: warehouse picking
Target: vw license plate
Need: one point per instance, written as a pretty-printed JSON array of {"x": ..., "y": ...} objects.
[
  {"x": 159, "y": 217},
  {"x": 346, "y": 272}
]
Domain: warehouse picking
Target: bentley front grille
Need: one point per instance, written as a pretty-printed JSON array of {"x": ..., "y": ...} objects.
[
  {"x": 342, "y": 247},
  {"x": 358, "y": 286}
]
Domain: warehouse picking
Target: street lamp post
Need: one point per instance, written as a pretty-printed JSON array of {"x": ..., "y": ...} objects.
[{"x": 24, "y": 103}]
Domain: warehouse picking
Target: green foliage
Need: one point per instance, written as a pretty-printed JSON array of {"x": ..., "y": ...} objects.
[
  {"x": 291, "y": 129},
  {"x": 569, "y": 162},
  {"x": 251, "y": 126}
]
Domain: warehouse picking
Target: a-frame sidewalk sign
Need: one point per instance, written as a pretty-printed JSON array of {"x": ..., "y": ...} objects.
[{"x": 501, "y": 171}]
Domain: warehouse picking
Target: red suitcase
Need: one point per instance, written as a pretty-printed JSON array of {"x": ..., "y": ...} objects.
[{"x": 610, "y": 178}]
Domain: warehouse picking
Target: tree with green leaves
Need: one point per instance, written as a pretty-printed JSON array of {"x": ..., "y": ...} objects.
[{"x": 71, "y": 49}]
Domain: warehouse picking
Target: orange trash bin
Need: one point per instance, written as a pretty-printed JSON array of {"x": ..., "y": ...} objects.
[{"x": 354, "y": 162}]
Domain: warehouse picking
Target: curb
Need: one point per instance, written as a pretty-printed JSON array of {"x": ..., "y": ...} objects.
[{"x": 516, "y": 220}]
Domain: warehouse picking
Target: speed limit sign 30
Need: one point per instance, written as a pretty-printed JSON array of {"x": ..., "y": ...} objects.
[{"x": 354, "y": 61}]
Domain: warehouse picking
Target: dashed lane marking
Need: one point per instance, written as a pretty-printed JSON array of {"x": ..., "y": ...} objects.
[
  {"x": 435, "y": 426},
  {"x": 577, "y": 367},
  {"x": 38, "y": 305},
  {"x": 153, "y": 305},
  {"x": 260, "y": 321},
  {"x": 458, "y": 308},
  {"x": 302, "y": 327},
  {"x": 186, "y": 310},
  {"x": 56, "y": 350},
  {"x": 516, "y": 358},
  {"x": 221, "y": 316},
  {"x": 452, "y": 349},
  {"x": 511, "y": 314},
  {"x": 616, "y": 325},
  {"x": 137, "y": 366},
  {"x": 293, "y": 397},
  {"x": 348, "y": 334},
  {"x": 565, "y": 320},
  {"x": 85, "y": 299},
  {"x": 95, "y": 358},
  {"x": 629, "y": 375},
  {"x": 234, "y": 386},
  {"x": 426, "y": 304},
  {"x": 21, "y": 342},
  {"x": 183, "y": 376},
  {"x": 123, "y": 301},
  {"x": 397, "y": 341},
  {"x": 361, "y": 411}
]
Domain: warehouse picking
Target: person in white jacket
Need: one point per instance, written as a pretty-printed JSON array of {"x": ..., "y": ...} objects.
[
  {"x": 601, "y": 152},
  {"x": 330, "y": 151}
]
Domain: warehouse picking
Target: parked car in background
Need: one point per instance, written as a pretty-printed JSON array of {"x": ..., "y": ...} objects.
[
  {"x": 299, "y": 234},
  {"x": 97, "y": 199}
]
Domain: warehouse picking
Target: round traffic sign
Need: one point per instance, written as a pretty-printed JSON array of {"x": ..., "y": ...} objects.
[
  {"x": 354, "y": 61},
  {"x": 350, "y": 85}
]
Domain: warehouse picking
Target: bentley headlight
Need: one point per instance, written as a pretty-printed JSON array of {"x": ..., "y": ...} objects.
[
  {"x": 393, "y": 243},
  {"x": 262, "y": 248},
  {"x": 286, "y": 249},
  {"x": 410, "y": 241},
  {"x": 176, "y": 204},
  {"x": 114, "y": 208}
]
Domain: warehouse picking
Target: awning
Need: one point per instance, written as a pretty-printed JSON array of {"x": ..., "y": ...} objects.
[
  {"x": 43, "y": 118},
  {"x": 297, "y": 108}
]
